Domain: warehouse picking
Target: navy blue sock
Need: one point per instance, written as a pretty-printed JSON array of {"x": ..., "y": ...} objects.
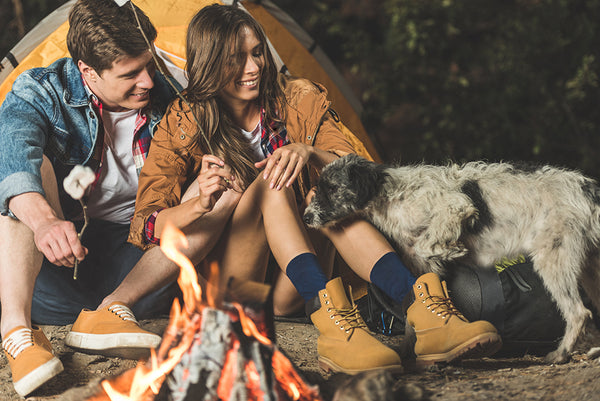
[
  {"x": 306, "y": 275},
  {"x": 392, "y": 276}
]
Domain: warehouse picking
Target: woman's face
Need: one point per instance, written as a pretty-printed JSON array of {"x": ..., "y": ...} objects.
[{"x": 245, "y": 85}]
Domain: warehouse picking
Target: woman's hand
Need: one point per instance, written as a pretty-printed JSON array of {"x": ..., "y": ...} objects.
[
  {"x": 214, "y": 179},
  {"x": 284, "y": 165}
]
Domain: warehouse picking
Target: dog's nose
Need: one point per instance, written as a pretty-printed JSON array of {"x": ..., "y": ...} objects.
[{"x": 308, "y": 218}]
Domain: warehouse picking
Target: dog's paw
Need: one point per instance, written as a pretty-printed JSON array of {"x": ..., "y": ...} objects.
[
  {"x": 439, "y": 246},
  {"x": 558, "y": 356},
  {"x": 448, "y": 251},
  {"x": 456, "y": 249},
  {"x": 465, "y": 211},
  {"x": 593, "y": 353}
]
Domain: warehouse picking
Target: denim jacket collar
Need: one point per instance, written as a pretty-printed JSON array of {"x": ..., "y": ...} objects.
[{"x": 74, "y": 93}]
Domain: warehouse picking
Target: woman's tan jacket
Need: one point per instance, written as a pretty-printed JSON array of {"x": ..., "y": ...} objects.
[{"x": 175, "y": 159}]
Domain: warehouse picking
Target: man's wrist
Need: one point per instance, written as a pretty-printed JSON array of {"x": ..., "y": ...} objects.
[{"x": 33, "y": 210}]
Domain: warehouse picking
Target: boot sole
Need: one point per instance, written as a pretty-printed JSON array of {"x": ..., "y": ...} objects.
[
  {"x": 128, "y": 346},
  {"x": 38, "y": 376},
  {"x": 329, "y": 366},
  {"x": 481, "y": 346}
]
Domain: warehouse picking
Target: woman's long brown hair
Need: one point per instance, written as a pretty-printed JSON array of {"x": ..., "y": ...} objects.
[{"x": 213, "y": 35}]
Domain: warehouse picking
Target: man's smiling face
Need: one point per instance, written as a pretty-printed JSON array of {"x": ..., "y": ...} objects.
[{"x": 126, "y": 85}]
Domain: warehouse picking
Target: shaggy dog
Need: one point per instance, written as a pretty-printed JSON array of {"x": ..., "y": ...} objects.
[{"x": 477, "y": 213}]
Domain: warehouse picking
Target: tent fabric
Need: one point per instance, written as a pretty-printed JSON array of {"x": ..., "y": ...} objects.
[
  {"x": 31, "y": 40},
  {"x": 294, "y": 50}
]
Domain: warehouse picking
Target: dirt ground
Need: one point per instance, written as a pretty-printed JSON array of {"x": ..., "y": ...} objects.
[{"x": 515, "y": 379}]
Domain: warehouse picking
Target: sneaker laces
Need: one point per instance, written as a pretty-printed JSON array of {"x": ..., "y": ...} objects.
[
  {"x": 123, "y": 312},
  {"x": 18, "y": 341}
]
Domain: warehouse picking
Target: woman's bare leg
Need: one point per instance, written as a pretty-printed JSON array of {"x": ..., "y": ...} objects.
[
  {"x": 286, "y": 299},
  {"x": 264, "y": 220},
  {"x": 360, "y": 244}
]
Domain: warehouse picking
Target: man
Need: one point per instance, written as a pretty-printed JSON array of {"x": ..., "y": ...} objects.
[{"x": 98, "y": 108}]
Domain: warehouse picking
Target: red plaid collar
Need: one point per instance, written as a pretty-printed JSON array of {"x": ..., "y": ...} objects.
[{"x": 272, "y": 136}]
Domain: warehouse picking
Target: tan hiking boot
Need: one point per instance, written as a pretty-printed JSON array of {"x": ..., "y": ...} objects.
[
  {"x": 30, "y": 357},
  {"x": 112, "y": 331},
  {"x": 344, "y": 343},
  {"x": 443, "y": 333}
]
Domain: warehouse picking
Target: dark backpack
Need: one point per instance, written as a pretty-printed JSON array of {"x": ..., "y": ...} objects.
[
  {"x": 512, "y": 297},
  {"x": 381, "y": 313}
]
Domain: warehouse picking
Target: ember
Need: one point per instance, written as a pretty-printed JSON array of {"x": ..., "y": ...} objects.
[{"x": 212, "y": 349}]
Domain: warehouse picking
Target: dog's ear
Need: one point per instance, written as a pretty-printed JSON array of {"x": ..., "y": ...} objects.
[{"x": 366, "y": 177}]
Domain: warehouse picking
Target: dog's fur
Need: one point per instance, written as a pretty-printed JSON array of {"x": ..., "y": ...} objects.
[{"x": 477, "y": 213}]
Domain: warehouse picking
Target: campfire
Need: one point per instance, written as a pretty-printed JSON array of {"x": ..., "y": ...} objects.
[{"x": 219, "y": 346}]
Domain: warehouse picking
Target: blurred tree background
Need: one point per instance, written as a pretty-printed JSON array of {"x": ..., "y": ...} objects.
[{"x": 456, "y": 80}]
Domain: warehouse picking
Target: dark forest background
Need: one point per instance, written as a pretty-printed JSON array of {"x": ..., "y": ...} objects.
[{"x": 453, "y": 80}]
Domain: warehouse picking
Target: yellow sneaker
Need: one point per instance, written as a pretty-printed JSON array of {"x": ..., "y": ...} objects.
[
  {"x": 30, "y": 357},
  {"x": 111, "y": 331}
]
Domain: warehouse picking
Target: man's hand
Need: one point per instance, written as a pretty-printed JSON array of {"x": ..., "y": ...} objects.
[
  {"x": 57, "y": 239},
  {"x": 53, "y": 236}
]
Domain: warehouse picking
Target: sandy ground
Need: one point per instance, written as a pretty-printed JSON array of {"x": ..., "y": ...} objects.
[{"x": 515, "y": 379}]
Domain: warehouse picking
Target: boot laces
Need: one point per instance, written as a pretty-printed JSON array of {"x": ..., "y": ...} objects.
[
  {"x": 348, "y": 319},
  {"x": 123, "y": 312},
  {"x": 443, "y": 306},
  {"x": 18, "y": 341}
]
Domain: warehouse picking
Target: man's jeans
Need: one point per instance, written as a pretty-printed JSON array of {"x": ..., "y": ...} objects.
[{"x": 58, "y": 299}]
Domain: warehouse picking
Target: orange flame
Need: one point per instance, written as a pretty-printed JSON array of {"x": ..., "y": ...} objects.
[
  {"x": 229, "y": 372},
  {"x": 150, "y": 379},
  {"x": 253, "y": 381},
  {"x": 180, "y": 332},
  {"x": 172, "y": 239},
  {"x": 289, "y": 379},
  {"x": 249, "y": 327}
]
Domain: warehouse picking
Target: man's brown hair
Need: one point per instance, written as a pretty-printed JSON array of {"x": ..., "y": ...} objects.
[{"x": 101, "y": 32}]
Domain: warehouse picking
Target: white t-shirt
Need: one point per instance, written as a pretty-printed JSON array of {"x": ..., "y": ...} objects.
[
  {"x": 254, "y": 139},
  {"x": 113, "y": 198}
]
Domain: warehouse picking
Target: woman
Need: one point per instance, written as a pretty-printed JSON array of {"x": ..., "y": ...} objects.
[{"x": 230, "y": 165}]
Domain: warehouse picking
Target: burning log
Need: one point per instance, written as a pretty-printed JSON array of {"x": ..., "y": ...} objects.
[
  {"x": 213, "y": 349},
  {"x": 223, "y": 363}
]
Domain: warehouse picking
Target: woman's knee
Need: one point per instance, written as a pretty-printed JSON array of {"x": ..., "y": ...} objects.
[{"x": 261, "y": 187}]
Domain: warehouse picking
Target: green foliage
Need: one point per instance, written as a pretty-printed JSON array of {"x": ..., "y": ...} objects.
[{"x": 467, "y": 80}]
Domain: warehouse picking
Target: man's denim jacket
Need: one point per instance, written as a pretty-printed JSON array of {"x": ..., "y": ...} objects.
[{"x": 49, "y": 112}]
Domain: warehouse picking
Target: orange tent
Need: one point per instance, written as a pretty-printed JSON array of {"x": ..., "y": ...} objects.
[{"x": 294, "y": 51}]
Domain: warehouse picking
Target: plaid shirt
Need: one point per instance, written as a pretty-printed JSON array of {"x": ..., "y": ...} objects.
[{"x": 272, "y": 137}]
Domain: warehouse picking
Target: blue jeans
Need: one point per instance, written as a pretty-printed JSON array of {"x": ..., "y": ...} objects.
[{"x": 58, "y": 299}]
